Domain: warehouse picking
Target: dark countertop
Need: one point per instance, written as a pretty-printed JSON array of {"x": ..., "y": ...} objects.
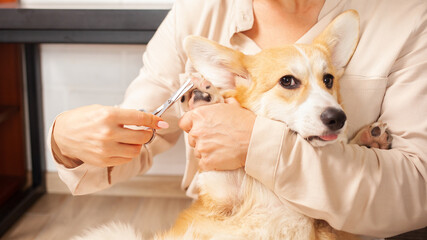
[{"x": 77, "y": 24}]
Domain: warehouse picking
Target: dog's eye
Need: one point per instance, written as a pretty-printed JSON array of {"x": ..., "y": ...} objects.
[
  {"x": 289, "y": 82},
  {"x": 328, "y": 80}
]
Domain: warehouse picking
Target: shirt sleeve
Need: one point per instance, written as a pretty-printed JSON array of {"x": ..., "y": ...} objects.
[
  {"x": 364, "y": 191},
  {"x": 157, "y": 80}
]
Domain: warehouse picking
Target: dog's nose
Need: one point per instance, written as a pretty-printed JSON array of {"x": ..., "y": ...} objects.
[
  {"x": 333, "y": 118},
  {"x": 201, "y": 96}
]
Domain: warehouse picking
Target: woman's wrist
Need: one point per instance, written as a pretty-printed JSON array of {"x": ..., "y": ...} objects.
[{"x": 61, "y": 158}]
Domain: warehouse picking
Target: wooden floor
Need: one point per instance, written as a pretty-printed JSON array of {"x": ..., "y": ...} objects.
[{"x": 60, "y": 216}]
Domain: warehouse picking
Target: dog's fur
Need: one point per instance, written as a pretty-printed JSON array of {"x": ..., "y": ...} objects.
[{"x": 285, "y": 84}]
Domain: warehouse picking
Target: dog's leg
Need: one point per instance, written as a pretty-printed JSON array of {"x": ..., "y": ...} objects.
[
  {"x": 214, "y": 204},
  {"x": 325, "y": 232},
  {"x": 375, "y": 135}
]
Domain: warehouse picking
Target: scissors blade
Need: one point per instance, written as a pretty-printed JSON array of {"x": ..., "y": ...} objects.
[{"x": 187, "y": 86}]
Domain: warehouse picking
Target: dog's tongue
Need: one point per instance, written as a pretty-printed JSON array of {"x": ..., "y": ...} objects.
[{"x": 328, "y": 137}]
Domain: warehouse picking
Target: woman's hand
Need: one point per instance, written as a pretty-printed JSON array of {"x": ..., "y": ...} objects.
[
  {"x": 95, "y": 134},
  {"x": 220, "y": 134}
]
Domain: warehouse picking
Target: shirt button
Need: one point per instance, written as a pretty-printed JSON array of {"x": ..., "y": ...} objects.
[{"x": 245, "y": 17}]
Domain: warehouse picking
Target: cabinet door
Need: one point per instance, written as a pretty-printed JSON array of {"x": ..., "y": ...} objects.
[{"x": 13, "y": 168}]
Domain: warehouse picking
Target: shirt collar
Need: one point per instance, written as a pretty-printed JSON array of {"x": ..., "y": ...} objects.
[{"x": 244, "y": 17}]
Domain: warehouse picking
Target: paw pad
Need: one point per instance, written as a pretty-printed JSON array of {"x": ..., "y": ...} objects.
[
  {"x": 203, "y": 93},
  {"x": 375, "y": 135}
]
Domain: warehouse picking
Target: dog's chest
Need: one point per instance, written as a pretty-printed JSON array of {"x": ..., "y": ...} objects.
[{"x": 257, "y": 213}]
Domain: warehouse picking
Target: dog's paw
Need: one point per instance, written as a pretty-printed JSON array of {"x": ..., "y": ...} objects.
[
  {"x": 203, "y": 93},
  {"x": 375, "y": 135}
]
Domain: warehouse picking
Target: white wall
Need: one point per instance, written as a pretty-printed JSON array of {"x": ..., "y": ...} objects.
[
  {"x": 100, "y": 2},
  {"x": 77, "y": 75}
]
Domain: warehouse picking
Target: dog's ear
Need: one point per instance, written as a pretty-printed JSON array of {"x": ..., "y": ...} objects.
[
  {"x": 341, "y": 37},
  {"x": 218, "y": 64}
]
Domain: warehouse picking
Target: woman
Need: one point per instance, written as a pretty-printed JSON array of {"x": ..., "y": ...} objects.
[{"x": 363, "y": 191}]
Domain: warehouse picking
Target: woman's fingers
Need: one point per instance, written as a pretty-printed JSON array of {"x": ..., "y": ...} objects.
[
  {"x": 130, "y": 136},
  {"x": 115, "y": 161},
  {"x": 112, "y": 154},
  {"x": 232, "y": 101},
  {"x": 95, "y": 134},
  {"x": 197, "y": 154},
  {"x": 186, "y": 122},
  {"x": 138, "y": 118},
  {"x": 126, "y": 150},
  {"x": 220, "y": 134},
  {"x": 191, "y": 141}
]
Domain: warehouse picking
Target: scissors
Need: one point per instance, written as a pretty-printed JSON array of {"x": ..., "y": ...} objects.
[{"x": 187, "y": 86}]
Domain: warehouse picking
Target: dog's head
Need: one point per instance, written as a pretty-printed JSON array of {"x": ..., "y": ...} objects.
[{"x": 297, "y": 84}]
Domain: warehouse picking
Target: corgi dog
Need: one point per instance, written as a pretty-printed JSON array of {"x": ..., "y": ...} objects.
[{"x": 296, "y": 84}]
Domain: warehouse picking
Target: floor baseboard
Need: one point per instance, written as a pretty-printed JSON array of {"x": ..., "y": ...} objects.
[{"x": 142, "y": 186}]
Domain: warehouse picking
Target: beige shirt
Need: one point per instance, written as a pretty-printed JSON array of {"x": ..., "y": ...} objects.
[{"x": 364, "y": 191}]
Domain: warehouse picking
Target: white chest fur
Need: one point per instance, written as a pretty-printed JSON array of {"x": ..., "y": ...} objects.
[{"x": 255, "y": 211}]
